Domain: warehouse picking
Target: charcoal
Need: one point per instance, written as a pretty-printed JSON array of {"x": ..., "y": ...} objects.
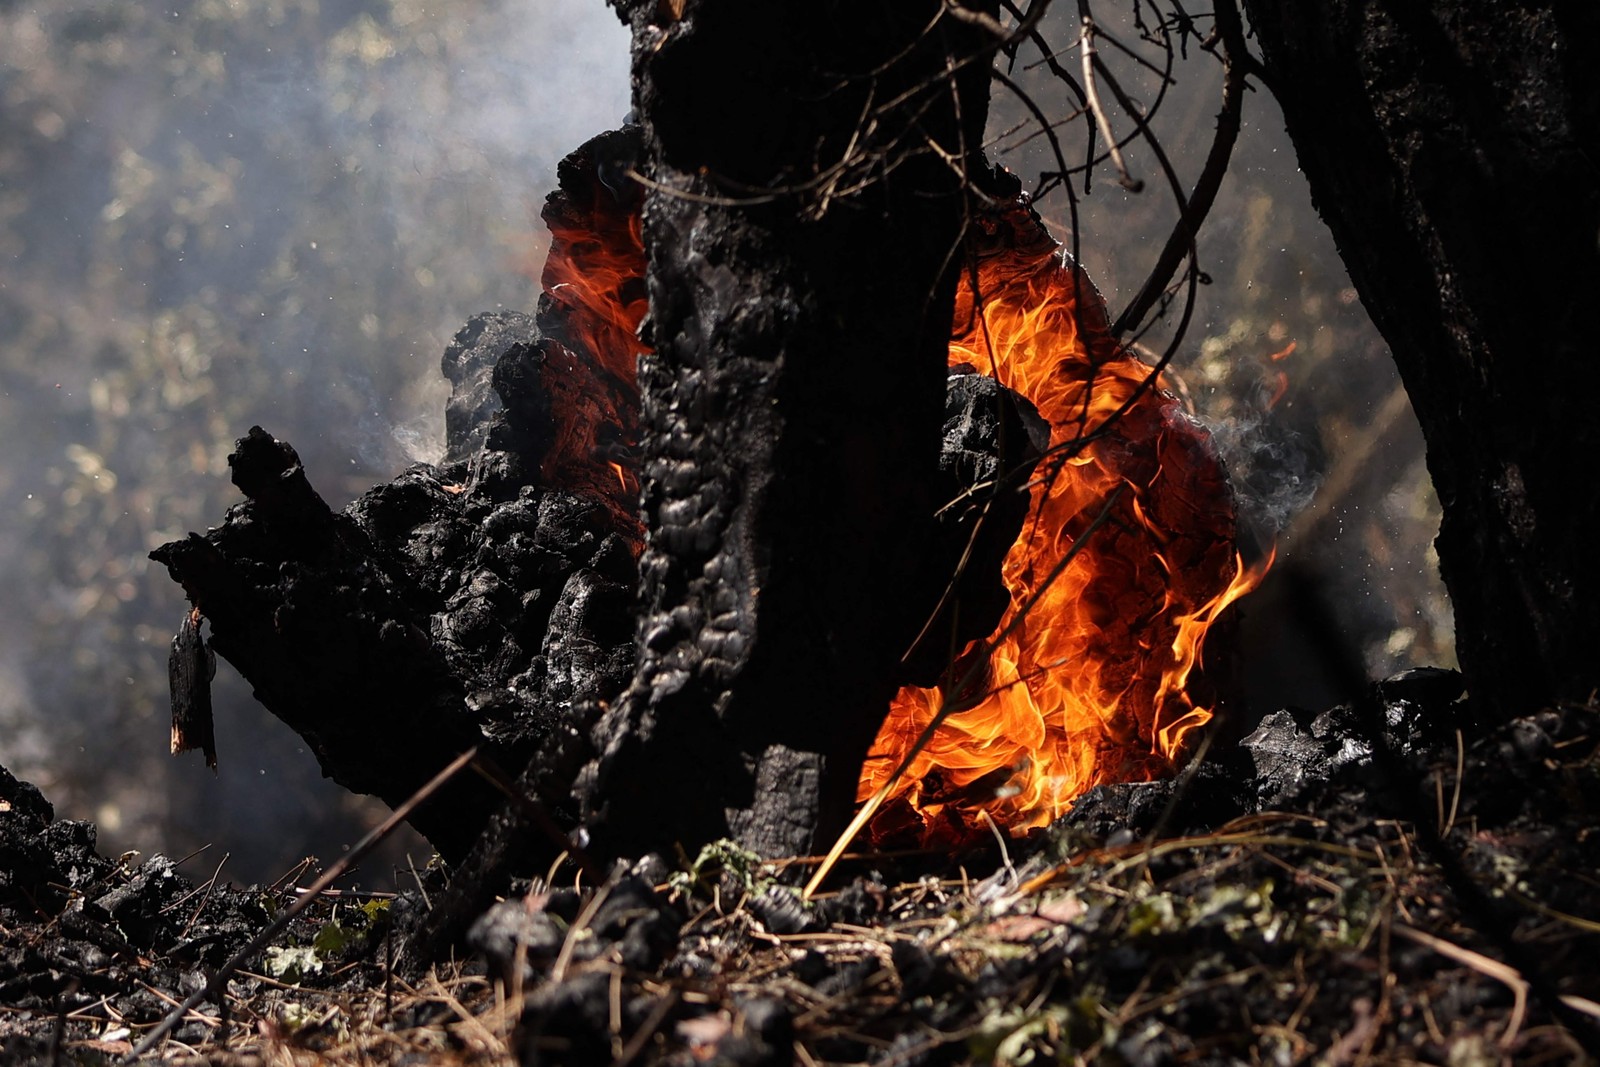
[
  {"x": 780, "y": 911},
  {"x": 849, "y": 978},
  {"x": 637, "y": 922},
  {"x": 22, "y": 804},
  {"x": 568, "y": 1022},
  {"x": 509, "y": 932},
  {"x": 1427, "y": 686},
  {"x": 41, "y": 861},
  {"x": 991, "y": 439},
  {"x": 137, "y": 904},
  {"x": 921, "y": 972},
  {"x": 1121, "y": 813},
  {"x": 90, "y": 937},
  {"x": 762, "y": 1035},
  {"x": 861, "y": 903},
  {"x": 1293, "y": 752},
  {"x": 1287, "y": 753}
]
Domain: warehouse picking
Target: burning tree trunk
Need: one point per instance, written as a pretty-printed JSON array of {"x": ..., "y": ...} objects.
[
  {"x": 827, "y": 266},
  {"x": 1450, "y": 147},
  {"x": 808, "y": 170}
]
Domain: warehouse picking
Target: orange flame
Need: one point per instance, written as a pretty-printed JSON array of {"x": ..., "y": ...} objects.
[
  {"x": 622, "y": 476},
  {"x": 596, "y": 271},
  {"x": 1280, "y": 379},
  {"x": 593, "y": 283},
  {"x": 1096, "y": 681}
]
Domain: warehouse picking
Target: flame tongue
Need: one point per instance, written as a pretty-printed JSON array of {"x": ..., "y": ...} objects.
[
  {"x": 1096, "y": 681},
  {"x": 594, "y": 300}
]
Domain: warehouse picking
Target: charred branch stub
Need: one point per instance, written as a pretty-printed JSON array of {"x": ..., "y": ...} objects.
[
  {"x": 301, "y": 602},
  {"x": 801, "y": 273},
  {"x": 449, "y": 608}
]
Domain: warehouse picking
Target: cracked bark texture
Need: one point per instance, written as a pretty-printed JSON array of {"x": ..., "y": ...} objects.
[
  {"x": 1450, "y": 147},
  {"x": 803, "y": 224}
]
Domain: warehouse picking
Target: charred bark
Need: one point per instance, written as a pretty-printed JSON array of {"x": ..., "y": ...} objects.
[
  {"x": 1450, "y": 147},
  {"x": 805, "y": 165}
]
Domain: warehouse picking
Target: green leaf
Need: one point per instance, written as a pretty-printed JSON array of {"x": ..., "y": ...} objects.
[{"x": 333, "y": 939}]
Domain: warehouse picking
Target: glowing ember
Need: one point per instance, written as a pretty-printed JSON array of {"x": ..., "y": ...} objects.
[{"x": 1097, "y": 681}]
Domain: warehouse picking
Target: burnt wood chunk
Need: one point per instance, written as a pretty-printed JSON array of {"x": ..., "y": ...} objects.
[
  {"x": 992, "y": 439},
  {"x": 190, "y": 667}
]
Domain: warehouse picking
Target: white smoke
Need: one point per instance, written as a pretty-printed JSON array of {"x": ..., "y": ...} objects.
[{"x": 1275, "y": 471}]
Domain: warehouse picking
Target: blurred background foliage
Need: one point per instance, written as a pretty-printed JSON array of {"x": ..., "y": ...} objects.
[{"x": 220, "y": 213}]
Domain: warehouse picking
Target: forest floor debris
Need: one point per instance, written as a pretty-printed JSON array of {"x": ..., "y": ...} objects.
[{"x": 1439, "y": 907}]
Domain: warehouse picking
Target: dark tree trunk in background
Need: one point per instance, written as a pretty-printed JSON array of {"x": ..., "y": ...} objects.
[
  {"x": 1454, "y": 149},
  {"x": 803, "y": 227}
]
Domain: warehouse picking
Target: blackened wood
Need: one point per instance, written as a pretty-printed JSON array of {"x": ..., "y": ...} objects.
[
  {"x": 804, "y": 230},
  {"x": 1450, "y": 146},
  {"x": 446, "y": 609},
  {"x": 991, "y": 440},
  {"x": 190, "y": 667}
]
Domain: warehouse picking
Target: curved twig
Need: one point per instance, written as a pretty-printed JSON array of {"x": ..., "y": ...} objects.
[{"x": 1182, "y": 239}]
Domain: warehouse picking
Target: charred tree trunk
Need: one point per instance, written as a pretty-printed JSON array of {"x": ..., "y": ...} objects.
[
  {"x": 1451, "y": 148},
  {"x": 806, "y": 164}
]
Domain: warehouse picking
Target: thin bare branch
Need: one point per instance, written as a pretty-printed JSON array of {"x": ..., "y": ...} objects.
[
  {"x": 1182, "y": 240},
  {"x": 1102, "y": 120}
]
